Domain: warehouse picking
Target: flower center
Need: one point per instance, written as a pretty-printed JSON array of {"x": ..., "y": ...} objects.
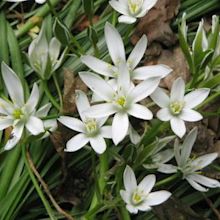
[
  {"x": 135, "y": 6},
  {"x": 17, "y": 114},
  {"x": 121, "y": 101},
  {"x": 91, "y": 126},
  {"x": 137, "y": 197},
  {"x": 176, "y": 107}
]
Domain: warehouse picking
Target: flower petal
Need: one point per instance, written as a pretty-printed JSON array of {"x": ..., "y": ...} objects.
[
  {"x": 147, "y": 5},
  {"x": 54, "y": 50},
  {"x": 123, "y": 81},
  {"x": 118, "y": 6},
  {"x": 204, "y": 161},
  {"x": 164, "y": 114},
  {"x": 190, "y": 115},
  {"x": 76, "y": 143},
  {"x": 147, "y": 184},
  {"x": 140, "y": 111},
  {"x": 178, "y": 126},
  {"x": 97, "y": 85},
  {"x": 196, "y": 97},
  {"x": 15, "y": 136},
  {"x": 5, "y": 123},
  {"x": 126, "y": 19},
  {"x": 129, "y": 178},
  {"x": 144, "y": 89},
  {"x": 187, "y": 146},
  {"x": 43, "y": 111},
  {"x": 134, "y": 136},
  {"x": 98, "y": 65},
  {"x": 177, "y": 90},
  {"x": 131, "y": 209},
  {"x": 144, "y": 207},
  {"x": 100, "y": 110},
  {"x": 115, "y": 44},
  {"x": 33, "y": 99},
  {"x": 195, "y": 185},
  {"x": 82, "y": 103},
  {"x": 35, "y": 125},
  {"x": 106, "y": 131},
  {"x": 120, "y": 126},
  {"x": 6, "y": 108},
  {"x": 156, "y": 198},
  {"x": 160, "y": 98},
  {"x": 72, "y": 123},
  {"x": 145, "y": 72},
  {"x": 125, "y": 196},
  {"x": 13, "y": 85},
  {"x": 167, "y": 168},
  {"x": 98, "y": 144},
  {"x": 137, "y": 53}
]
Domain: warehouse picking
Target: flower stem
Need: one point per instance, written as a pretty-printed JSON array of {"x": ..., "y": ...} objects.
[
  {"x": 167, "y": 180},
  {"x": 124, "y": 214},
  {"x": 49, "y": 95},
  {"x": 58, "y": 91},
  {"x": 37, "y": 187}
]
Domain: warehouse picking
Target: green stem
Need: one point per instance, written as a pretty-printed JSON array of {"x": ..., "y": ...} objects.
[
  {"x": 58, "y": 91},
  {"x": 167, "y": 180},
  {"x": 49, "y": 95},
  {"x": 37, "y": 187},
  {"x": 124, "y": 214}
]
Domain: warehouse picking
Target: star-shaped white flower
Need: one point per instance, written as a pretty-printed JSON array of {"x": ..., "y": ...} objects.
[
  {"x": 191, "y": 167},
  {"x": 122, "y": 102},
  {"x": 179, "y": 107},
  {"x": 132, "y": 9},
  {"x": 91, "y": 129},
  {"x": 37, "y": 1},
  {"x": 17, "y": 113},
  {"x": 140, "y": 197},
  {"x": 117, "y": 53}
]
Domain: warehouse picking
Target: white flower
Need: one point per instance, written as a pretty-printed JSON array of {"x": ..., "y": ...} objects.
[
  {"x": 140, "y": 197},
  {"x": 117, "y": 52},
  {"x": 132, "y": 9},
  {"x": 44, "y": 56},
  {"x": 91, "y": 129},
  {"x": 122, "y": 102},
  {"x": 191, "y": 167},
  {"x": 17, "y": 113},
  {"x": 37, "y": 1},
  {"x": 178, "y": 108}
]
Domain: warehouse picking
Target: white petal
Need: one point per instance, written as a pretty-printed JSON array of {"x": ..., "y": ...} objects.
[
  {"x": 15, "y": 136},
  {"x": 129, "y": 178},
  {"x": 144, "y": 207},
  {"x": 195, "y": 185},
  {"x": 35, "y": 125},
  {"x": 124, "y": 78},
  {"x": 134, "y": 136},
  {"x": 125, "y": 196},
  {"x": 120, "y": 126},
  {"x": 120, "y": 7},
  {"x": 147, "y": 183},
  {"x": 82, "y": 103},
  {"x": 115, "y": 44},
  {"x": 13, "y": 85},
  {"x": 205, "y": 181},
  {"x": 187, "y": 146},
  {"x": 126, "y": 19},
  {"x": 43, "y": 111},
  {"x": 40, "y": 1},
  {"x": 33, "y": 99},
  {"x": 144, "y": 89},
  {"x": 164, "y": 114},
  {"x": 156, "y": 198},
  {"x": 97, "y": 85},
  {"x": 177, "y": 90},
  {"x": 145, "y": 72},
  {"x": 196, "y": 97},
  {"x": 131, "y": 209},
  {"x": 98, "y": 144},
  {"x": 178, "y": 126},
  {"x": 167, "y": 168},
  {"x": 5, "y": 123},
  {"x": 76, "y": 142},
  {"x": 148, "y": 4},
  {"x": 137, "y": 53},
  {"x": 54, "y": 50},
  {"x": 164, "y": 156},
  {"x": 190, "y": 115},
  {"x": 50, "y": 124},
  {"x": 160, "y": 98},
  {"x": 6, "y": 108},
  {"x": 72, "y": 123},
  {"x": 98, "y": 65},
  {"x": 106, "y": 131},
  {"x": 100, "y": 110},
  {"x": 204, "y": 161},
  {"x": 140, "y": 111}
]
